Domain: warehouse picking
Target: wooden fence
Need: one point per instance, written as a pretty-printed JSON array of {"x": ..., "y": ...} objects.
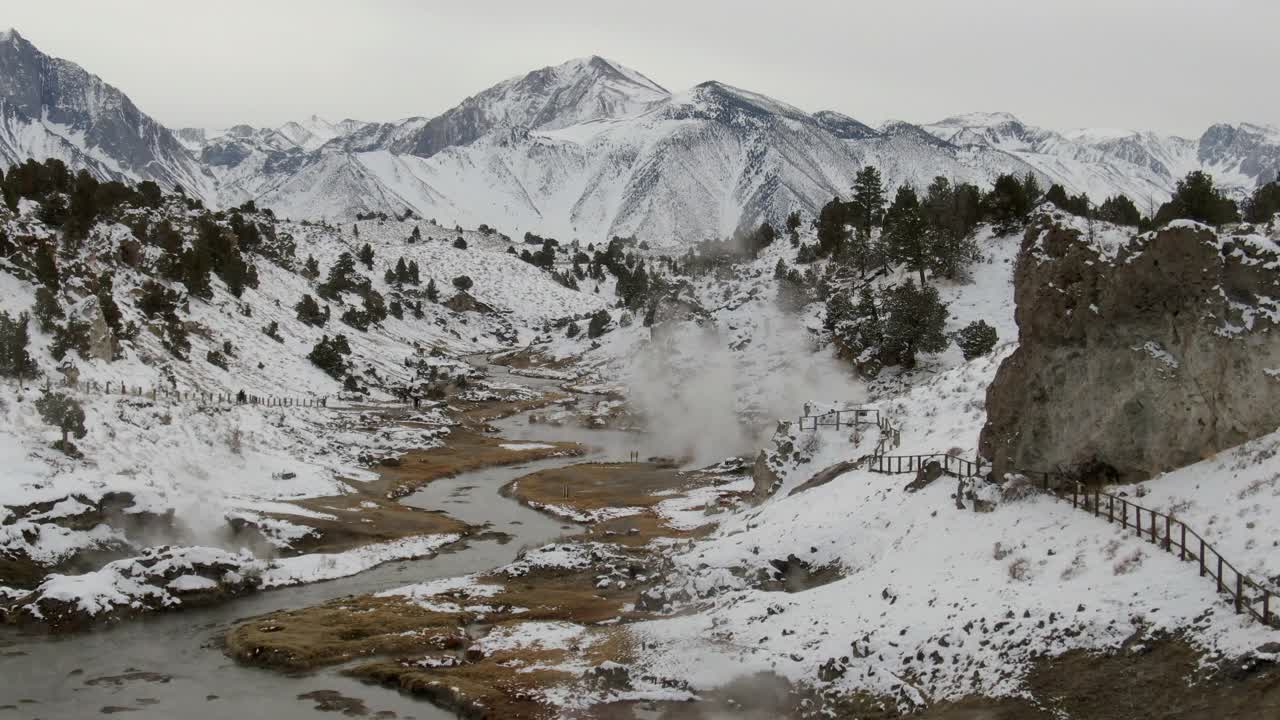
[
  {"x": 1176, "y": 537},
  {"x": 901, "y": 464},
  {"x": 121, "y": 388},
  {"x": 1245, "y": 594},
  {"x": 841, "y": 418}
]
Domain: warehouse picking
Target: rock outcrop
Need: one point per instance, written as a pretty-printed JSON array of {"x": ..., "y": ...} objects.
[{"x": 1137, "y": 353}]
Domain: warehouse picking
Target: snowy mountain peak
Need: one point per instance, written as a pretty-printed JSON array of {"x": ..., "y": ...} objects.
[
  {"x": 843, "y": 126},
  {"x": 979, "y": 119}
]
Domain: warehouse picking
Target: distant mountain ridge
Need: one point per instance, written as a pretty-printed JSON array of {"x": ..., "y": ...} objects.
[{"x": 587, "y": 149}]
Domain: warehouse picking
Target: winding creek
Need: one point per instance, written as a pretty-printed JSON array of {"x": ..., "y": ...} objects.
[{"x": 171, "y": 665}]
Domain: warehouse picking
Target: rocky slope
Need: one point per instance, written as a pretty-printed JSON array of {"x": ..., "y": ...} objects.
[
  {"x": 50, "y": 107},
  {"x": 1138, "y": 354}
]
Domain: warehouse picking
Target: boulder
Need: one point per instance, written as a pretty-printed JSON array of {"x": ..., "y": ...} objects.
[{"x": 1137, "y": 353}]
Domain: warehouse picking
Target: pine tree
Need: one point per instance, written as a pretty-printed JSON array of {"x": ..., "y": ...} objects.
[
  {"x": 414, "y": 277},
  {"x": 906, "y": 233},
  {"x": 1119, "y": 210},
  {"x": 402, "y": 272},
  {"x": 15, "y": 339},
  {"x": 976, "y": 339},
  {"x": 47, "y": 267},
  {"x": 573, "y": 330},
  {"x": 366, "y": 256},
  {"x": 329, "y": 355},
  {"x": 432, "y": 293},
  {"x": 460, "y": 244},
  {"x": 311, "y": 268},
  {"x": 342, "y": 278},
  {"x": 64, "y": 413},
  {"x": 1264, "y": 203},
  {"x": 463, "y": 283},
  {"x": 416, "y": 235},
  {"x": 72, "y": 335},
  {"x": 1196, "y": 198},
  {"x": 599, "y": 322},
  {"x": 868, "y": 199},
  {"x": 1006, "y": 205},
  {"x": 309, "y": 313},
  {"x": 47, "y": 310},
  {"x": 915, "y": 321}
]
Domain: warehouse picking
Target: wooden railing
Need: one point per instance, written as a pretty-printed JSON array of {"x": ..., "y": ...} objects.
[
  {"x": 901, "y": 464},
  {"x": 1161, "y": 529},
  {"x": 841, "y": 418},
  {"x": 1176, "y": 537}
]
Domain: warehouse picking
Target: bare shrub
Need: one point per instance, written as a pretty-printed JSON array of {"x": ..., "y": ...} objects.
[
  {"x": 234, "y": 441},
  {"x": 1129, "y": 563},
  {"x": 1020, "y": 570}
]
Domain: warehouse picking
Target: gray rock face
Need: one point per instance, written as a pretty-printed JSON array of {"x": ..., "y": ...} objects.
[
  {"x": 1250, "y": 150},
  {"x": 1138, "y": 363},
  {"x": 91, "y": 115}
]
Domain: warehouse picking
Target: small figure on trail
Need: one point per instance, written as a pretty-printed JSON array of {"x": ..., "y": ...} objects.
[
  {"x": 241, "y": 397},
  {"x": 416, "y": 400}
]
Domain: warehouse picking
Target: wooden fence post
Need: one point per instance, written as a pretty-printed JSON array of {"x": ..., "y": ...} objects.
[
  {"x": 1239, "y": 592},
  {"x": 1266, "y": 607},
  {"x": 1220, "y": 588},
  {"x": 1168, "y": 533},
  {"x": 1182, "y": 554},
  {"x": 1201, "y": 557}
]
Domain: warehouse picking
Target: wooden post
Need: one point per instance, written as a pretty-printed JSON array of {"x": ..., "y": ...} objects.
[
  {"x": 1266, "y": 607},
  {"x": 1201, "y": 557},
  {"x": 1168, "y": 533},
  {"x": 1182, "y": 554},
  {"x": 1075, "y": 490},
  {"x": 1111, "y": 508},
  {"x": 1153, "y": 528},
  {"x": 1220, "y": 588},
  {"x": 1239, "y": 592}
]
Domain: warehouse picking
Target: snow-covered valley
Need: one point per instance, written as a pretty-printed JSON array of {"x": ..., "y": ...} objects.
[{"x": 586, "y": 398}]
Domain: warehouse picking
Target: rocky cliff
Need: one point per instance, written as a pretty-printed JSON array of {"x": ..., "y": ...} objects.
[{"x": 1137, "y": 353}]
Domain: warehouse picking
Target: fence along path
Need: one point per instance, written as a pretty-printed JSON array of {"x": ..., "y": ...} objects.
[
  {"x": 228, "y": 398},
  {"x": 1163, "y": 530}
]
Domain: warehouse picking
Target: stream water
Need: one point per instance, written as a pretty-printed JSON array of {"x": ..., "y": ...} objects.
[{"x": 171, "y": 665}]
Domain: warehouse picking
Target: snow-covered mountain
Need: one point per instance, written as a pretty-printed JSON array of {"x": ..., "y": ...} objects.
[
  {"x": 54, "y": 108},
  {"x": 588, "y": 149},
  {"x": 1141, "y": 164}
]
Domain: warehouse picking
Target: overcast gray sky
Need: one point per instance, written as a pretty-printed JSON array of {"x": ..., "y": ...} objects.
[{"x": 1169, "y": 65}]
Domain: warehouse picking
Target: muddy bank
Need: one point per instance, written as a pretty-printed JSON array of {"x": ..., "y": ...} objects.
[{"x": 494, "y": 644}]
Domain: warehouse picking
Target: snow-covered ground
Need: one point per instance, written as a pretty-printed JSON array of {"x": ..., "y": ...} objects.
[{"x": 939, "y": 602}]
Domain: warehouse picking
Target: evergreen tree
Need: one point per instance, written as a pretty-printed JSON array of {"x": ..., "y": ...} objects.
[
  {"x": 330, "y": 355},
  {"x": 272, "y": 330},
  {"x": 462, "y": 283},
  {"x": 402, "y": 272},
  {"x": 15, "y": 339},
  {"x": 342, "y": 278},
  {"x": 1264, "y": 203},
  {"x": 1119, "y": 210},
  {"x": 976, "y": 339},
  {"x": 64, "y": 413},
  {"x": 1031, "y": 189},
  {"x": 952, "y": 214},
  {"x": 309, "y": 312},
  {"x": 432, "y": 293},
  {"x": 396, "y": 310},
  {"x": 1007, "y": 205},
  {"x": 915, "y": 319},
  {"x": 413, "y": 278},
  {"x": 1196, "y": 198},
  {"x": 906, "y": 233},
  {"x": 72, "y": 335},
  {"x": 856, "y": 328},
  {"x": 416, "y": 235},
  {"x": 47, "y": 267},
  {"x": 157, "y": 300},
  {"x": 366, "y": 256},
  {"x": 573, "y": 330},
  {"x": 47, "y": 310},
  {"x": 1057, "y": 195},
  {"x": 311, "y": 268},
  {"x": 599, "y": 322},
  {"x": 174, "y": 337},
  {"x": 460, "y": 244},
  {"x": 868, "y": 199}
]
